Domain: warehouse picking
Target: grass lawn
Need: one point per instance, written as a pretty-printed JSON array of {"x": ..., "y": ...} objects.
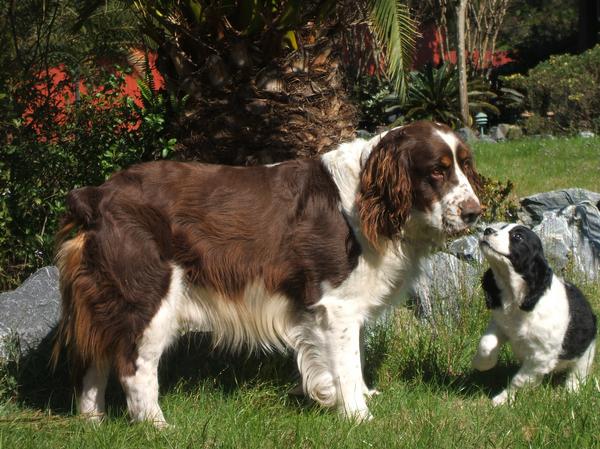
[
  {"x": 431, "y": 398},
  {"x": 540, "y": 165}
]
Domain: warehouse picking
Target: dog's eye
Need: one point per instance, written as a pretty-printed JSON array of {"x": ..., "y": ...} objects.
[
  {"x": 438, "y": 173},
  {"x": 517, "y": 237},
  {"x": 467, "y": 163}
]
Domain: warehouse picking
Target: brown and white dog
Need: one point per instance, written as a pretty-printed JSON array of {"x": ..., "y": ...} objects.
[{"x": 293, "y": 255}]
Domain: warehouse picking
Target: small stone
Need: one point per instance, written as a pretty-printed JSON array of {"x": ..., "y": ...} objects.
[{"x": 587, "y": 134}]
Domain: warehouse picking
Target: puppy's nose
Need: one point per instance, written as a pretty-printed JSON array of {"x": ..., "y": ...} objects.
[
  {"x": 488, "y": 231},
  {"x": 470, "y": 210}
]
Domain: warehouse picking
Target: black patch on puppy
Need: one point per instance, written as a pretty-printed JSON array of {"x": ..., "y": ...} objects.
[
  {"x": 527, "y": 257},
  {"x": 582, "y": 324},
  {"x": 492, "y": 292}
]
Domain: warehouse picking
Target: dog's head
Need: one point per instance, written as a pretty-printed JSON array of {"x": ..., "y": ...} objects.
[
  {"x": 424, "y": 171},
  {"x": 516, "y": 257}
]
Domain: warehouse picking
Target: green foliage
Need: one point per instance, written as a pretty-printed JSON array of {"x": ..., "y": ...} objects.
[
  {"x": 498, "y": 201},
  {"x": 9, "y": 367},
  {"x": 433, "y": 95},
  {"x": 61, "y": 145},
  {"x": 376, "y": 102},
  {"x": 157, "y": 106},
  {"x": 396, "y": 31},
  {"x": 536, "y": 29},
  {"x": 564, "y": 93}
]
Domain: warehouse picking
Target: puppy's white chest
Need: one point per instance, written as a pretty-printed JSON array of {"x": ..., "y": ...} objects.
[{"x": 540, "y": 331}]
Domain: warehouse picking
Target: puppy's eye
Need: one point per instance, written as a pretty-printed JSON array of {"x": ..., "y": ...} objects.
[
  {"x": 517, "y": 237},
  {"x": 467, "y": 163}
]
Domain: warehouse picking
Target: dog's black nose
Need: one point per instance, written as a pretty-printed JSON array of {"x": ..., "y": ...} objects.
[
  {"x": 488, "y": 231},
  {"x": 470, "y": 210}
]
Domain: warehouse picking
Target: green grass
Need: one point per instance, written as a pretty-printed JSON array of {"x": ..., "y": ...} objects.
[
  {"x": 431, "y": 398},
  {"x": 540, "y": 165}
]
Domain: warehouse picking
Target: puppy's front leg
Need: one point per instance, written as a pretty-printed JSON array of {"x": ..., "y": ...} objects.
[
  {"x": 529, "y": 374},
  {"x": 492, "y": 340}
]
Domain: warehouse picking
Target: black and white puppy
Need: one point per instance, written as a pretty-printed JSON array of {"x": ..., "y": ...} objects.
[{"x": 548, "y": 322}]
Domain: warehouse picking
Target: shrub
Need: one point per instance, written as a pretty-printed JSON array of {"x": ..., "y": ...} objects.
[
  {"x": 58, "y": 145},
  {"x": 564, "y": 93},
  {"x": 375, "y": 100},
  {"x": 498, "y": 200}
]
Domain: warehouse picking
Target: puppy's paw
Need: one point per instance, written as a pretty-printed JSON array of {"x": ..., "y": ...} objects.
[
  {"x": 500, "y": 399},
  {"x": 483, "y": 363}
]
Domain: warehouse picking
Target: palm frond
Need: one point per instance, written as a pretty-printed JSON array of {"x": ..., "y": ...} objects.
[{"x": 396, "y": 32}]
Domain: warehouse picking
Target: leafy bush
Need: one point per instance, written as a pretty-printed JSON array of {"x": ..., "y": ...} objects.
[
  {"x": 58, "y": 145},
  {"x": 374, "y": 97},
  {"x": 564, "y": 93},
  {"x": 433, "y": 94},
  {"x": 498, "y": 200}
]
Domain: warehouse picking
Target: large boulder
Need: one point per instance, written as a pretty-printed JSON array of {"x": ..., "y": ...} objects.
[
  {"x": 444, "y": 277},
  {"x": 568, "y": 223},
  {"x": 29, "y": 313}
]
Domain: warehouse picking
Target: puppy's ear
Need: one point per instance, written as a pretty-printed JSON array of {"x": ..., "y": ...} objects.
[
  {"x": 385, "y": 195},
  {"x": 538, "y": 278},
  {"x": 491, "y": 290}
]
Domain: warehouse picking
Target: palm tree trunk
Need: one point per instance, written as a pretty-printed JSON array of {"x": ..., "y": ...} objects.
[{"x": 462, "y": 61}]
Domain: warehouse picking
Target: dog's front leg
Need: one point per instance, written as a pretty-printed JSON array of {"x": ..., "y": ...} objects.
[
  {"x": 343, "y": 344},
  {"x": 492, "y": 340}
]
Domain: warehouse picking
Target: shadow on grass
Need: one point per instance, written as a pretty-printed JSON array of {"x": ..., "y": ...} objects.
[
  {"x": 188, "y": 363},
  {"x": 468, "y": 383},
  {"x": 192, "y": 361}
]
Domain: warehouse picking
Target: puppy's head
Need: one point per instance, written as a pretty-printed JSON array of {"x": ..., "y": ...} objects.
[{"x": 516, "y": 257}]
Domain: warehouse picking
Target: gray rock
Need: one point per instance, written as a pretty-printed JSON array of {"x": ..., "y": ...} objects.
[
  {"x": 487, "y": 139},
  {"x": 572, "y": 234},
  {"x": 513, "y": 132},
  {"x": 443, "y": 279},
  {"x": 587, "y": 134},
  {"x": 466, "y": 248},
  {"x": 363, "y": 134},
  {"x": 29, "y": 313},
  {"x": 534, "y": 206},
  {"x": 497, "y": 133},
  {"x": 467, "y": 135}
]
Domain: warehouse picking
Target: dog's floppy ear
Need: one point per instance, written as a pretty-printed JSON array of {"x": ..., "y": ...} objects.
[
  {"x": 491, "y": 290},
  {"x": 538, "y": 278},
  {"x": 385, "y": 195}
]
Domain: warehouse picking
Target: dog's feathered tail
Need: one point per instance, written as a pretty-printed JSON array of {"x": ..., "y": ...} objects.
[{"x": 73, "y": 330}]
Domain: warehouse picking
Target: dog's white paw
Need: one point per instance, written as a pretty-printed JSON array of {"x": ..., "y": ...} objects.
[
  {"x": 500, "y": 399},
  {"x": 483, "y": 363}
]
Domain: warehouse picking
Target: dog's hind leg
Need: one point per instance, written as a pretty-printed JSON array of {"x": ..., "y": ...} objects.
[
  {"x": 529, "y": 374},
  {"x": 141, "y": 387},
  {"x": 578, "y": 374},
  {"x": 93, "y": 388}
]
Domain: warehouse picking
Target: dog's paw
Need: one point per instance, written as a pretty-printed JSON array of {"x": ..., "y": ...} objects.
[
  {"x": 482, "y": 362},
  {"x": 361, "y": 415},
  {"x": 370, "y": 392},
  {"x": 500, "y": 399}
]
